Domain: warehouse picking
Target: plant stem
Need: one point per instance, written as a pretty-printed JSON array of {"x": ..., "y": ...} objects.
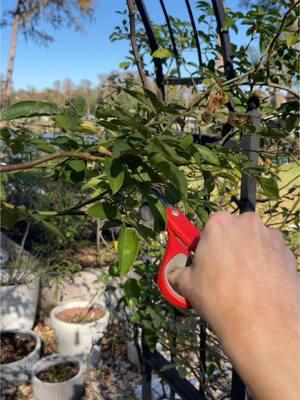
[
  {"x": 59, "y": 154},
  {"x": 135, "y": 48}
]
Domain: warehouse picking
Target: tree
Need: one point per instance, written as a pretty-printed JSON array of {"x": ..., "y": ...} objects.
[
  {"x": 26, "y": 17},
  {"x": 86, "y": 86},
  {"x": 68, "y": 88}
]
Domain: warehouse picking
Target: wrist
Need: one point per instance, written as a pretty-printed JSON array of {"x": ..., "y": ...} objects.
[{"x": 260, "y": 352}]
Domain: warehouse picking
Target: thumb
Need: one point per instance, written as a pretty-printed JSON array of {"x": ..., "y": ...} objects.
[{"x": 180, "y": 280}]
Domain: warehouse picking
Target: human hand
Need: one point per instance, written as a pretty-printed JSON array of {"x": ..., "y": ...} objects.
[{"x": 243, "y": 281}]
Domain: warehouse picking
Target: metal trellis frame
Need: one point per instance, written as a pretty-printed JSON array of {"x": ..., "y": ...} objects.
[
  {"x": 226, "y": 50},
  {"x": 249, "y": 145}
]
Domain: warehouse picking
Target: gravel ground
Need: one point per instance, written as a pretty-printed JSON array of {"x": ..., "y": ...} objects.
[{"x": 114, "y": 379}]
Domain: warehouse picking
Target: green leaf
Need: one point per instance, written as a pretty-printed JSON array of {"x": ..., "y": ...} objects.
[
  {"x": 115, "y": 173},
  {"x": 208, "y": 155},
  {"x": 262, "y": 43},
  {"x": 74, "y": 176},
  {"x": 157, "y": 104},
  {"x": 65, "y": 143},
  {"x": 114, "y": 270},
  {"x": 103, "y": 211},
  {"x": 49, "y": 226},
  {"x": 171, "y": 172},
  {"x": 158, "y": 211},
  {"x": 209, "y": 182},
  {"x": 131, "y": 289},
  {"x": 186, "y": 141},
  {"x": 292, "y": 122},
  {"x": 270, "y": 188},
  {"x": 128, "y": 249},
  {"x": 124, "y": 65},
  {"x": 144, "y": 231},
  {"x": 69, "y": 120},
  {"x": 42, "y": 145},
  {"x": 150, "y": 338},
  {"x": 10, "y": 215},
  {"x": 162, "y": 53},
  {"x": 2, "y": 192},
  {"x": 173, "y": 195},
  {"x": 228, "y": 23},
  {"x": 79, "y": 105},
  {"x": 202, "y": 214},
  {"x": 272, "y": 132},
  {"x": 77, "y": 165},
  {"x": 5, "y": 133},
  {"x": 292, "y": 39},
  {"x": 29, "y": 108},
  {"x": 120, "y": 147}
]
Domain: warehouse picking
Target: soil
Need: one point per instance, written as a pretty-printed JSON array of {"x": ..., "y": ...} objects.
[
  {"x": 81, "y": 315},
  {"x": 59, "y": 372},
  {"x": 14, "y": 347}
]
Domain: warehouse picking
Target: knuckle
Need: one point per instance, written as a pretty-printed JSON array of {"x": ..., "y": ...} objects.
[
  {"x": 251, "y": 218},
  {"x": 218, "y": 218},
  {"x": 277, "y": 236}
]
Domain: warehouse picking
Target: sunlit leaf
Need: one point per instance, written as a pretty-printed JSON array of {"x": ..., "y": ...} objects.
[
  {"x": 115, "y": 173},
  {"x": 103, "y": 211},
  {"x": 77, "y": 165},
  {"x": 29, "y": 108},
  {"x": 162, "y": 53},
  {"x": 127, "y": 249},
  {"x": 270, "y": 188},
  {"x": 208, "y": 155}
]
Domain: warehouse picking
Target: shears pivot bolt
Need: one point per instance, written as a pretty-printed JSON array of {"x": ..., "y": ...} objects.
[{"x": 175, "y": 213}]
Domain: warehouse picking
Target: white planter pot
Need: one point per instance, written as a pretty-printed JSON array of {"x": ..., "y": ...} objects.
[
  {"x": 18, "y": 372},
  {"x": 78, "y": 338},
  {"x": 18, "y": 304},
  {"x": 67, "y": 390}
]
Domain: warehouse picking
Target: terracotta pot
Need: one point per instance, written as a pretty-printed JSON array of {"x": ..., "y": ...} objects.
[
  {"x": 70, "y": 389},
  {"x": 17, "y": 372}
]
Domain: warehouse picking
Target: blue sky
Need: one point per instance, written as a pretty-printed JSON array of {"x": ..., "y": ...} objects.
[{"x": 74, "y": 55}]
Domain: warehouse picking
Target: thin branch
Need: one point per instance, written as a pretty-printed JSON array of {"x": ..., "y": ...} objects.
[
  {"x": 287, "y": 89},
  {"x": 59, "y": 154},
  {"x": 276, "y": 36},
  {"x": 241, "y": 77},
  {"x": 135, "y": 48},
  {"x": 23, "y": 242},
  {"x": 268, "y": 83}
]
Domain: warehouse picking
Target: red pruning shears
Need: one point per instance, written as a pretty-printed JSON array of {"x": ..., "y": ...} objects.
[{"x": 183, "y": 239}]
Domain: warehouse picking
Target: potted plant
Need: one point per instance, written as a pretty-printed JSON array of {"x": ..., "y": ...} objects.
[
  {"x": 57, "y": 377},
  {"x": 78, "y": 326},
  {"x": 20, "y": 350},
  {"x": 19, "y": 291}
]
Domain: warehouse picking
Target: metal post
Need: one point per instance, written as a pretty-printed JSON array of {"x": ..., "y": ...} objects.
[
  {"x": 153, "y": 44},
  {"x": 250, "y": 146},
  {"x": 175, "y": 51},
  {"x": 203, "y": 338},
  {"x": 146, "y": 372},
  {"x": 195, "y": 32}
]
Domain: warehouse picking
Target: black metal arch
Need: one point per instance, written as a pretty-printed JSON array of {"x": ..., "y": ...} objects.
[
  {"x": 226, "y": 50},
  {"x": 248, "y": 193}
]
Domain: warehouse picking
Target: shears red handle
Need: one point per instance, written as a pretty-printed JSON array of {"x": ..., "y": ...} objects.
[{"x": 183, "y": 239}]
